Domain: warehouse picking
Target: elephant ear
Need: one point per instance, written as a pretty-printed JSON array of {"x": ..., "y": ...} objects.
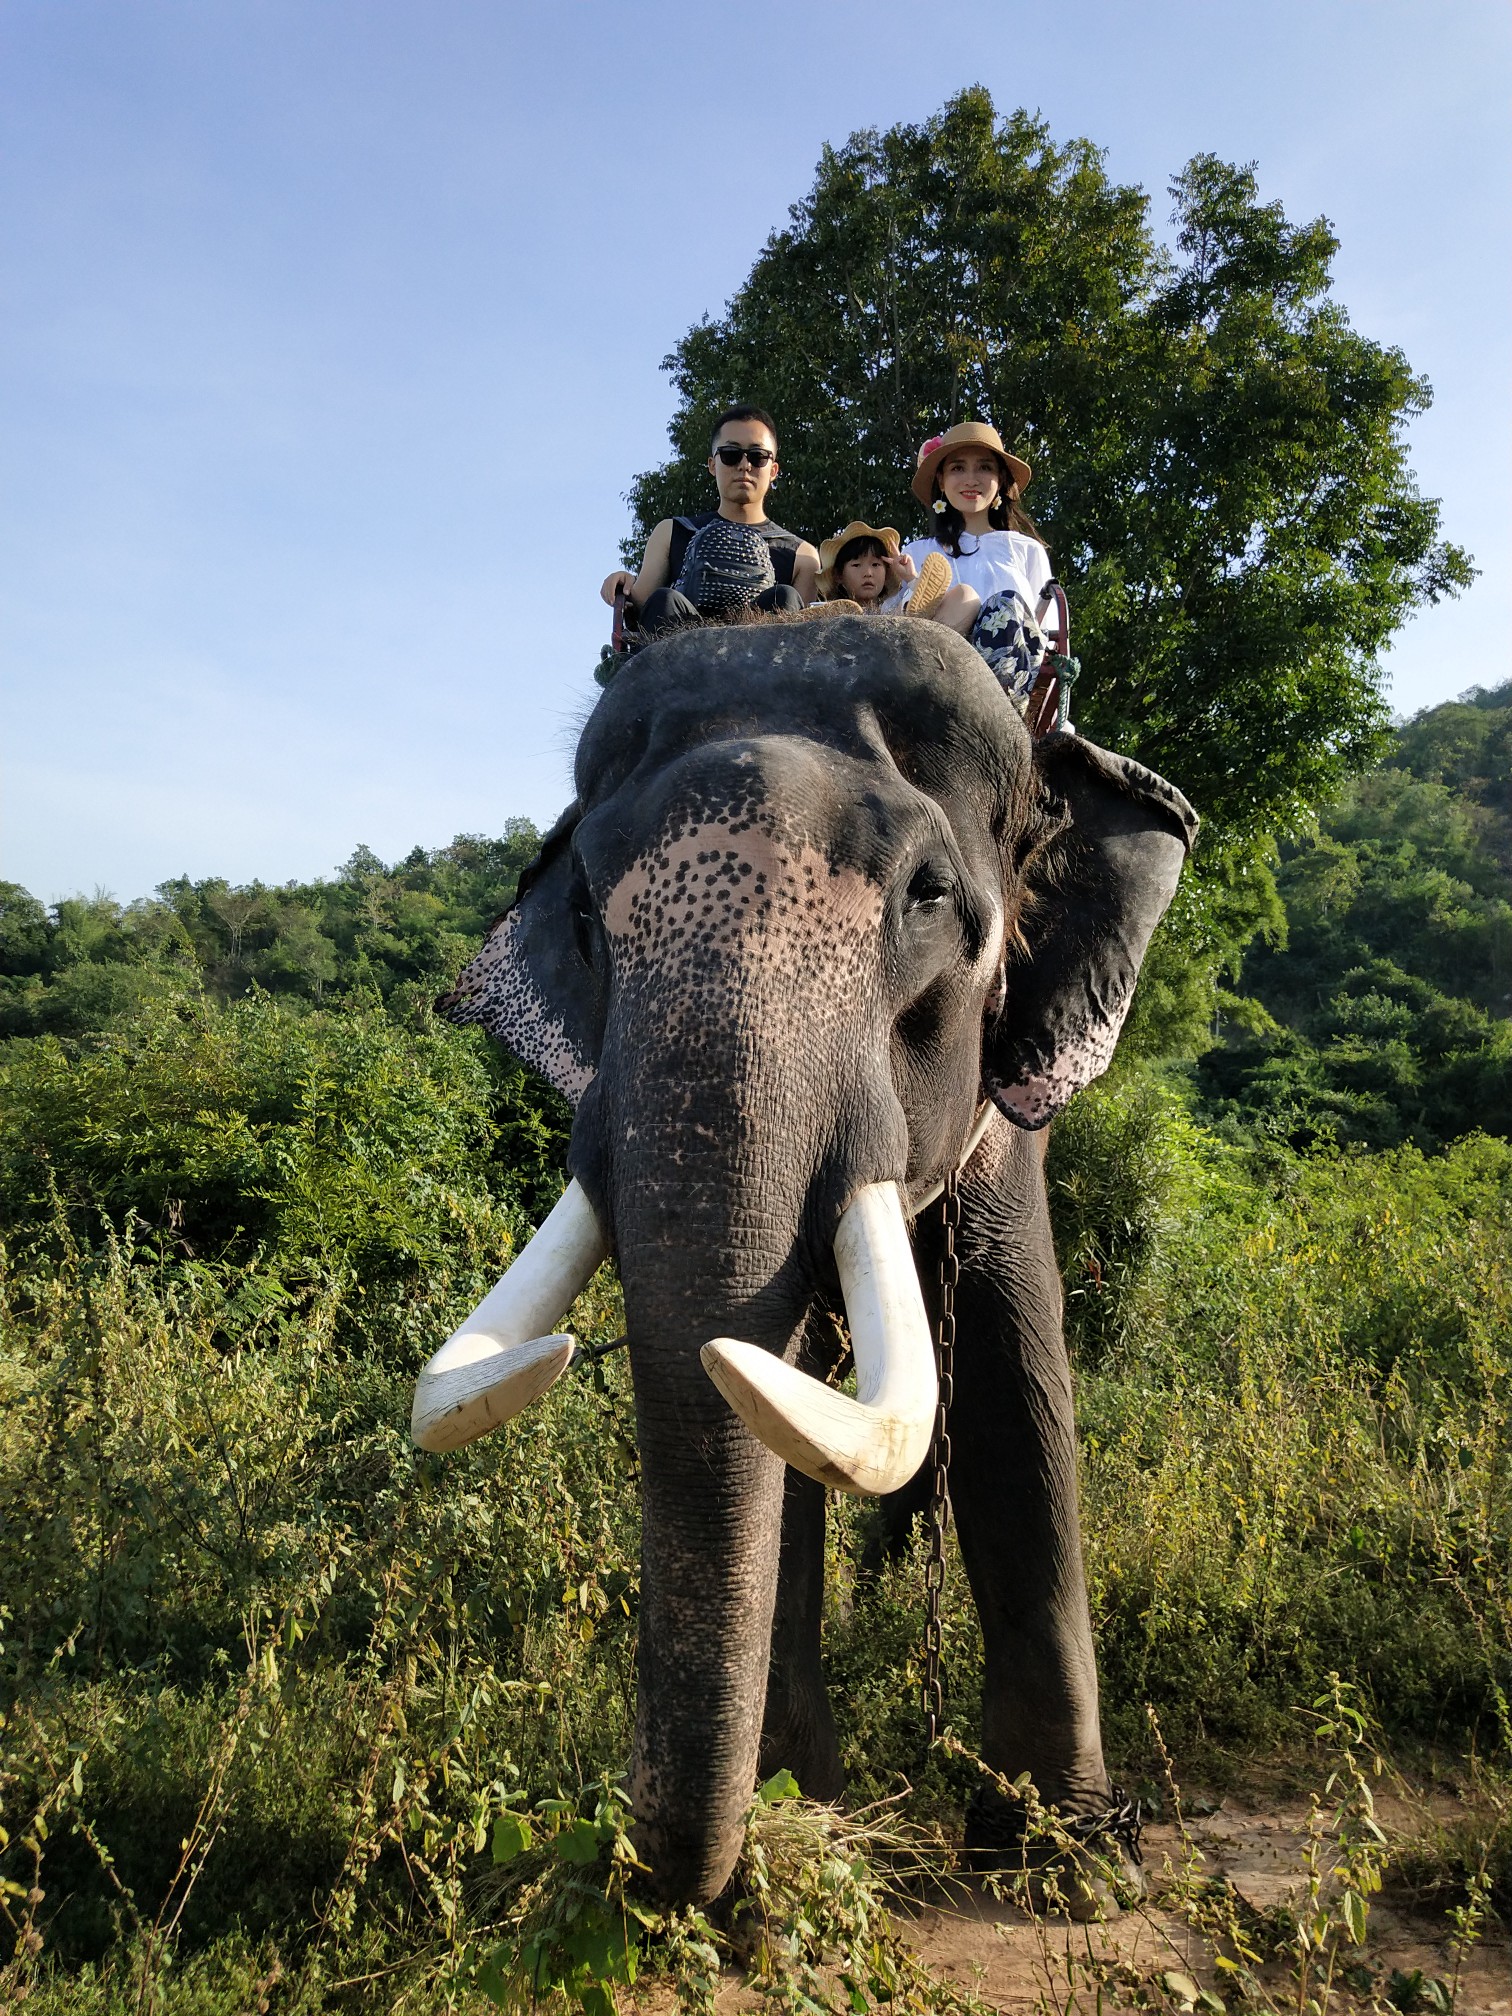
[
  {"x": 530, "y": 986},
  {"x": 1095, "y": 895}
]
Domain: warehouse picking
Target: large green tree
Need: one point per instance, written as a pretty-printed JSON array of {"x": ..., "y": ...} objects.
[{"x": 1220, "y": 465}]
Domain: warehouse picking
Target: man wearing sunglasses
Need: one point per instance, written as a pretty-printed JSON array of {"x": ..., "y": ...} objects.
[{"x": 743, "y": 463}]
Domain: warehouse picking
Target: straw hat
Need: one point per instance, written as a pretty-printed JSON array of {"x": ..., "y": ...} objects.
[
  {"x": 829, "y": 548},
  {"x": 970, "y": 434}
]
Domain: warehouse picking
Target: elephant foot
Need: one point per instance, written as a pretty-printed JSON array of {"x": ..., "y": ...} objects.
[{"x": 1080, "y": 1866}]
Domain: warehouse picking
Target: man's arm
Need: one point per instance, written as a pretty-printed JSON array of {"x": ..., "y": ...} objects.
[
  {"x": 805, "y": 572},
  {"x": 653, "y": 569}
]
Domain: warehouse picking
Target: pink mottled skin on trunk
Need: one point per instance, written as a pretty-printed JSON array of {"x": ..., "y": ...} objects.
[{"x": 735, "y": 887}]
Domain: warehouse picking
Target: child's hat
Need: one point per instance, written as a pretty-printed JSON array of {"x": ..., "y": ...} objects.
[
  {"x": 970, "y": 434},
  {"x": 830, "y": 548}
]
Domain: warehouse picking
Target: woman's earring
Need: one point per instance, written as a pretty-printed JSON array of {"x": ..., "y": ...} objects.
[{"x": 939, "y": 507}]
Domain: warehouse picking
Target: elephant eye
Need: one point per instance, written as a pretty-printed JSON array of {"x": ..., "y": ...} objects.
[{"x": 931, "y": 885}]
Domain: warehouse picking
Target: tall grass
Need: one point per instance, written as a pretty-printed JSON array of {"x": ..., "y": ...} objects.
[
  {"x": 269, "y": 1681},
  {"x": 1297, "y": 1457},
  {"x": 240, "y": 1613}
]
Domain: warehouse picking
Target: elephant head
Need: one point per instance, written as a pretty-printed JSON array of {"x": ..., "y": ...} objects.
[{"x": 819, "y": 900}]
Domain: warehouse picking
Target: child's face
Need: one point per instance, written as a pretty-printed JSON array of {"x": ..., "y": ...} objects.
[
  {"x": 971, "y": 481},
  {"x": 864, "y": 579}
]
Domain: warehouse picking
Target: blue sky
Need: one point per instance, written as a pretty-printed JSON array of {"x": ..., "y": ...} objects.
[{"x": 310, "y": 306}]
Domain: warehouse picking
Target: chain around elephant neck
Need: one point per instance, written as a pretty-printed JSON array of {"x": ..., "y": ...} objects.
[{"x": 939, "y": 1500}]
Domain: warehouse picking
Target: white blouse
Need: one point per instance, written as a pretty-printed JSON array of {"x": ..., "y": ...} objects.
[{"x": 988, "y": 563}]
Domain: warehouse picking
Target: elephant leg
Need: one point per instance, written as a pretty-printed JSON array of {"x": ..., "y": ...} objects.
[
  {"x": 1013, "y": 1486},
  {"x": 799, "y": 1730},
  {"x": 891, "y": 1526}
]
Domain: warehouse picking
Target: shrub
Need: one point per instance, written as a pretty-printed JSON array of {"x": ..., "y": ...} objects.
[
  {"x": 339, "y": 1142},
  {"x": 1125, "y": 1162}
]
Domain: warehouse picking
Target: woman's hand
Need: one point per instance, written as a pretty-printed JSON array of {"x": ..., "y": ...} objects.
[{"x": 621, "y": 580}]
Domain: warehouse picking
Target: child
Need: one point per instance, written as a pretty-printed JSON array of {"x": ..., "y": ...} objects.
[
  {"x": 864, "y": 564},
  {"x": 971, "y": 484},
  {"x": 860, "y": 565}
]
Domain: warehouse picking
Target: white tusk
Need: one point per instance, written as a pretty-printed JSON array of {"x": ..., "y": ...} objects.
[
  {"x": 500, "y": 1360},
  {"x": 876, "y": 1442}
]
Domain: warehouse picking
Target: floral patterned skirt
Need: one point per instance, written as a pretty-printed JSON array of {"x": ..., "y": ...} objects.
[{"x": 1011, "y": 641}]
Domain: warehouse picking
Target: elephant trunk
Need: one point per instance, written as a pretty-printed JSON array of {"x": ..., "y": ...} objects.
[
  {"x": 721, "y": 1147},
  {"x": 712, "y": 1518}
]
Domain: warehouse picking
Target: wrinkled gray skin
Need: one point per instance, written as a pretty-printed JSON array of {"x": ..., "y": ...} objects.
[{"x": 819, "y": 896}]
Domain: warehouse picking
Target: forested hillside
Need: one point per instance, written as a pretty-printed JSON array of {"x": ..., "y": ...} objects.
[
  {"x": 374, "y": 928},
  {"x": 1381, "y": 1015}
]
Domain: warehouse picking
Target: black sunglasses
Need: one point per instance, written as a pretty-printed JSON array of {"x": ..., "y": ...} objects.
[{"x": 732, "y": 456}]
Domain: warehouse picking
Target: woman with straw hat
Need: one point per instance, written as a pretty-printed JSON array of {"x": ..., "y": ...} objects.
[{"x": 971, "y": 485}]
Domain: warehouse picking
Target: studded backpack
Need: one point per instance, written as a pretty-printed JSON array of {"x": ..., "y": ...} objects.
[{"x": 725, "y": 568}]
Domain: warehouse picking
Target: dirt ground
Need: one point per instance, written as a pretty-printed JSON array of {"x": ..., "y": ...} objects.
[{"x": 1014, "y": 1962}]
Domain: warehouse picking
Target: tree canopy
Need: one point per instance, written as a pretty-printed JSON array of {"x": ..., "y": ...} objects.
[
  {"x": 1220, "y": 468},
  {"x": 400, "y": 933}
]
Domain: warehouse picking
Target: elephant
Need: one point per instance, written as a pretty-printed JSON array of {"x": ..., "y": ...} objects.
[{"x": 821, "y": 929}]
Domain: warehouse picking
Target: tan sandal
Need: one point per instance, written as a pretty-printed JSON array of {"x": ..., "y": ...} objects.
[{"x": 931, "y": 587}]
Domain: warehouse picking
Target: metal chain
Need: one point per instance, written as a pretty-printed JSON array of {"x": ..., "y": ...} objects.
[{"x": 939, "y": 1504}]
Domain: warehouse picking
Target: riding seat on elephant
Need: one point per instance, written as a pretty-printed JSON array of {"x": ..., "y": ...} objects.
[{"x": 821, "y": 926}]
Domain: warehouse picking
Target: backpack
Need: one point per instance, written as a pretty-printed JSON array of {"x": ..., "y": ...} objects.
[{"x": 725, "y": 568}]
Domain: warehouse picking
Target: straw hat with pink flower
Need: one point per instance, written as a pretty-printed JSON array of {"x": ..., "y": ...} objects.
[{"x": 969, "y": 434}]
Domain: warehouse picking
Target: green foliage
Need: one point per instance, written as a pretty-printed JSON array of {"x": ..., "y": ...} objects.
[
  {"x": 814, "y": 1889},
  {"x": 339, "y": 1142},
  {"x": 1306, "y": 1442},
  {"x": 1467, "y": 745},
  {"x": 243, "y": 1616},
  {"x": 1226, "y": 899},
  {"x": 1386, "y": 1017},
  {"x": 808, "y": 1910},
  {"x": 255, "y": 1069},
  {"x": 1346, "y": 1849},
  {"x": 400, "y": 932},
  {"x": 1220, "y": 464},
  {"x": 575, "y": 1928},
  {"x": 1125, "y": 1162}
]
